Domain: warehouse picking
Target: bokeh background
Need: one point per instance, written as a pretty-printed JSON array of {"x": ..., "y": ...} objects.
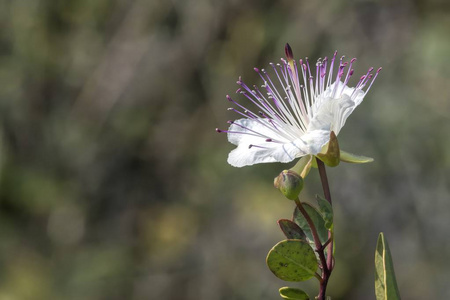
[{"x": 114, "y": 183}]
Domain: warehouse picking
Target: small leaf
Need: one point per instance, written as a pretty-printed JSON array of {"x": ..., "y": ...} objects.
[
  {"x": 291, "y": 230},
  {"x": 385, "y": 283},
  {"x": 353, "y": 158},
  {"x": 316, "y": 218},
  {"x": 326, "y": 211},
  {"x": 292, "y": 260},
  {"x": 293, "y": 294}
]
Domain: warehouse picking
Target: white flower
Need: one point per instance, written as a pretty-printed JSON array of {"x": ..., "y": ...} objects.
[{"x": 296, "y": 111}]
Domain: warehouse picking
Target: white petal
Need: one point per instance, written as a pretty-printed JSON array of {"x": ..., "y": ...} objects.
[
  {"x": 254, "y": 131},
  {"x": 310, "y": 143},
  {"x": 331, "y": 113},
  {"x": 245, "y": 156}
]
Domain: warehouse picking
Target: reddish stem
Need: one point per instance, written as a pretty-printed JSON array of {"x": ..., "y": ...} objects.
[{"x": 329, "y": 263}]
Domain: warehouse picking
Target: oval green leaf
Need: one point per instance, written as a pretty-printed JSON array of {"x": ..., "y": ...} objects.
[
  {"x": 385, "y": 283},
  {"x": 292, "y": 260},
  {"x": 316, "y": 218},
  {"x": 355, "y": 159},
  {"x": 291, "y": 230},
  {"x": 293, "y": 294}
]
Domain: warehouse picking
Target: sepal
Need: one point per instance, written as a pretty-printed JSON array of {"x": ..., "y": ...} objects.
[
  {"x": 355, "y": 159},
  {"x": 303, "y": 166},
  {"x": 332, "y": 155}
]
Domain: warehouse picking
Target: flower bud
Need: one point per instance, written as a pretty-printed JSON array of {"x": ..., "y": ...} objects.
[
  {"x": 289, "y": 183},
  {"x": 289, "y": 53}
]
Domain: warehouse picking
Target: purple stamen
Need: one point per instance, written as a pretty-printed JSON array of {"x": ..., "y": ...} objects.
[
  {"x": 376, "y": 74},
  {"x": 349, "y": 74},
  {"x": 246, "y": 113},
  {"x": 256, "y": 146},
  {"x": 307, "y": 64},
  {"x": 330, "y": 73}
]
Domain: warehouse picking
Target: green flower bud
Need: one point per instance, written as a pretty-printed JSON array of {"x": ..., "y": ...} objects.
[{"x": 289, "y": 183}]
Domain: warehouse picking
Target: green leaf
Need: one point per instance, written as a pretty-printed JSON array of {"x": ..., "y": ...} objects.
[
  {"x": 291, "y": 230},
  {"x": 293, "y": 294},
  {"x": 326, "y": 211},
  {"x": 353, "y": 158},
  {"x": 292, "y": 260},
  {"x": 316, "y": 218},
  {"x": 385, "y": 283}
]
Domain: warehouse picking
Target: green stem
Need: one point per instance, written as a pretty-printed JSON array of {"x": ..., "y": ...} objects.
[{"x": 326, "y": 191}]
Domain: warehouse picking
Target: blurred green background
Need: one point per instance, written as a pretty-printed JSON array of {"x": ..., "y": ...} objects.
[{"x": 114, "y": 184}]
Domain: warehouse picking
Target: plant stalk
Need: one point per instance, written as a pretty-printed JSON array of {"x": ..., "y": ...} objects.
[
  {"x": 329, "y": 260},
  {"x": 319, "y": 247}
]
